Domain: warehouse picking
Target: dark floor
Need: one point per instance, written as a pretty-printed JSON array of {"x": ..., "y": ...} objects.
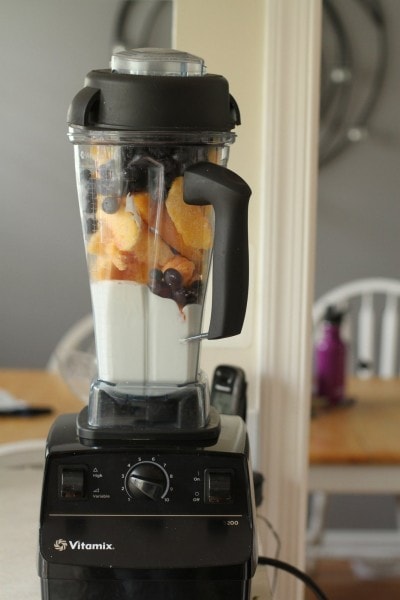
[{"x": 338, "y": 581}]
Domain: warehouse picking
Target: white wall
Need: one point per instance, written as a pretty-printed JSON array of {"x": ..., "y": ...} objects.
[{"x": 234, "y": 47}]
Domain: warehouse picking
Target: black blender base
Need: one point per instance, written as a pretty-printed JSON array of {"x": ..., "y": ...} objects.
[
  {"x": 147, "y": 521},
  {"x": 129, "y": 589}
]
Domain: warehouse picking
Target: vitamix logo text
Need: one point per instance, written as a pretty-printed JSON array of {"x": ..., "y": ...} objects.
[{"x": 62, "y": 545}]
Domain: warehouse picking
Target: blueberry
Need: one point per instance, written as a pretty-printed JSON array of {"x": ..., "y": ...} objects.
[
  {"x": 110, "y": 205},
  {"x": 128, "y": 153},
  {"x": 164, "y": 291},
  {"x": 184, "y": 296},
  {"x": 136, "y": 175},
  {"x": 173, "y": 278},
  {"x": 91, "y": 204},
  {"x": 158, "y": 152},
  {"x": 171, "y": 171},
  {"x": 107, "y": 170},
  {"x": 108, "y": 187},
  {"x": 91, "y": 225},
  {"x": 157, "y": 284},
  {"x": 107, "y": 183},
  {"x": 86, "y": 174},
  {"x": 91, "y": 196},
  {"x": 161, "y": 289},
  {"x": 180, "y": 297},
  {"x": 191, "y": 297},
  {"x": 90, "y": 187}
]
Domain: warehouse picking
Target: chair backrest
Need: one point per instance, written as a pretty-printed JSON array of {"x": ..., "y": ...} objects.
[
  {"x": 74, "y": 357},
  {"x": 370, "y": 326},
  {"x": 80, "y": 337}
]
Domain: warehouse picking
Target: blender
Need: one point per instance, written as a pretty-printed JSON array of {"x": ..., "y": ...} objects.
[{"x": 148, "y": 491}]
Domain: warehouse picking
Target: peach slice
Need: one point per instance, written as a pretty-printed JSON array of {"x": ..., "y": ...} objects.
[
  {"x": 157, "y": 218},
  {"x": 190, "y": 221},
  {"x": 123, "y": 226}
]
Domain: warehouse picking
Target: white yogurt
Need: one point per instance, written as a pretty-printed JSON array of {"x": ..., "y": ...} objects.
[{"x": 138, "y": 335}]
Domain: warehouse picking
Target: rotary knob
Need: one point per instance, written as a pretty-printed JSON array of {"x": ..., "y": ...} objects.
[{"x": 147, "y": 479}]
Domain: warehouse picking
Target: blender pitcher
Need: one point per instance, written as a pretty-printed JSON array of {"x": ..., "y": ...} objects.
[{"x": 157, "y": 203}]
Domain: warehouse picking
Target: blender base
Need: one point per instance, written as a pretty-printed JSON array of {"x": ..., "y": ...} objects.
[
  {"x": 124, "y": 589},
  {"x": 150, "y": 521}
]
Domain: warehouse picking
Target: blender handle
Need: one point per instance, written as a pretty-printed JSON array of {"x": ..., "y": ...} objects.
[{"x": 208, "y": 183}]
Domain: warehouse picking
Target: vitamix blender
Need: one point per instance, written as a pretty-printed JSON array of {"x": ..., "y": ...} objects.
[{"x": 148, "y": 491}]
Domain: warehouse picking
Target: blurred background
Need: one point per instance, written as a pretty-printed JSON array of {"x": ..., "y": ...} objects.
[
  {"x": 49, "y": 45},
  {"x": 359, "y": 182}
]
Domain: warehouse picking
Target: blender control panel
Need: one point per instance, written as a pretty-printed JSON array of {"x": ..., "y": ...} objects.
[
  {"x": 125, "y": 481},
  {"x": 141, "y": 507},
  {"x": 105, "y": 508}
]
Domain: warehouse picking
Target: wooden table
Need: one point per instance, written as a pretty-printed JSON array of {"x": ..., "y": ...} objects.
[
  {"x": 38, "y": 388},
  {"x": 356, "y": 448}
]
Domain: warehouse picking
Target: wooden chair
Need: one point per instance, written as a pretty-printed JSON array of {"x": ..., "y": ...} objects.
[
  {"x": 370, "y": 325},
  {"x": 74, "y": 357}
]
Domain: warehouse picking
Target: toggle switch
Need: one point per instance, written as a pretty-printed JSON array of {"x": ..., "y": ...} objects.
[
  {"x": 218, "y": 486},
  {"x": 72, "y": 483}
]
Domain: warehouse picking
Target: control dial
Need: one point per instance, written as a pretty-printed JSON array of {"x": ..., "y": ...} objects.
[{"x": 147, "y": 479}]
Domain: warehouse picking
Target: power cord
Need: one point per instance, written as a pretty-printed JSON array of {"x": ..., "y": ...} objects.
[
  {"x": 278, "y": 547},
  {"x": 284, "y": 566}
]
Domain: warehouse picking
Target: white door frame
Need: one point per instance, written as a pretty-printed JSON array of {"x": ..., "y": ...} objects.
[
  {"x": 269, "y": 50},
  {"x": 292, "y": 111}
]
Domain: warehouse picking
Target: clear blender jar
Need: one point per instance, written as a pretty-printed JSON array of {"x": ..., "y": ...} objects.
[{"x": 151, "y": 138}]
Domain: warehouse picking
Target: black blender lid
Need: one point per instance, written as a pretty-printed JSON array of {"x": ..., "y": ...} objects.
[{"x": 153, "y": 89}]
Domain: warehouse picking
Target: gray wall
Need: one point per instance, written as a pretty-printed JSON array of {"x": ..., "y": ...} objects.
[
  {"x": 359, "y": 192},
  {"x": 47, "y": 47}
]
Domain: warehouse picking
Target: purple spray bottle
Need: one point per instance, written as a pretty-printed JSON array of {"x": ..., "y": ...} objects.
[{"x": 330, "y": 358}]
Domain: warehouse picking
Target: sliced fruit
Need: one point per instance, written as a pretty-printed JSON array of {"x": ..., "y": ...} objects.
[
  {"x": 191, "y": 222},
  {"x": 122, "y": 225}
]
